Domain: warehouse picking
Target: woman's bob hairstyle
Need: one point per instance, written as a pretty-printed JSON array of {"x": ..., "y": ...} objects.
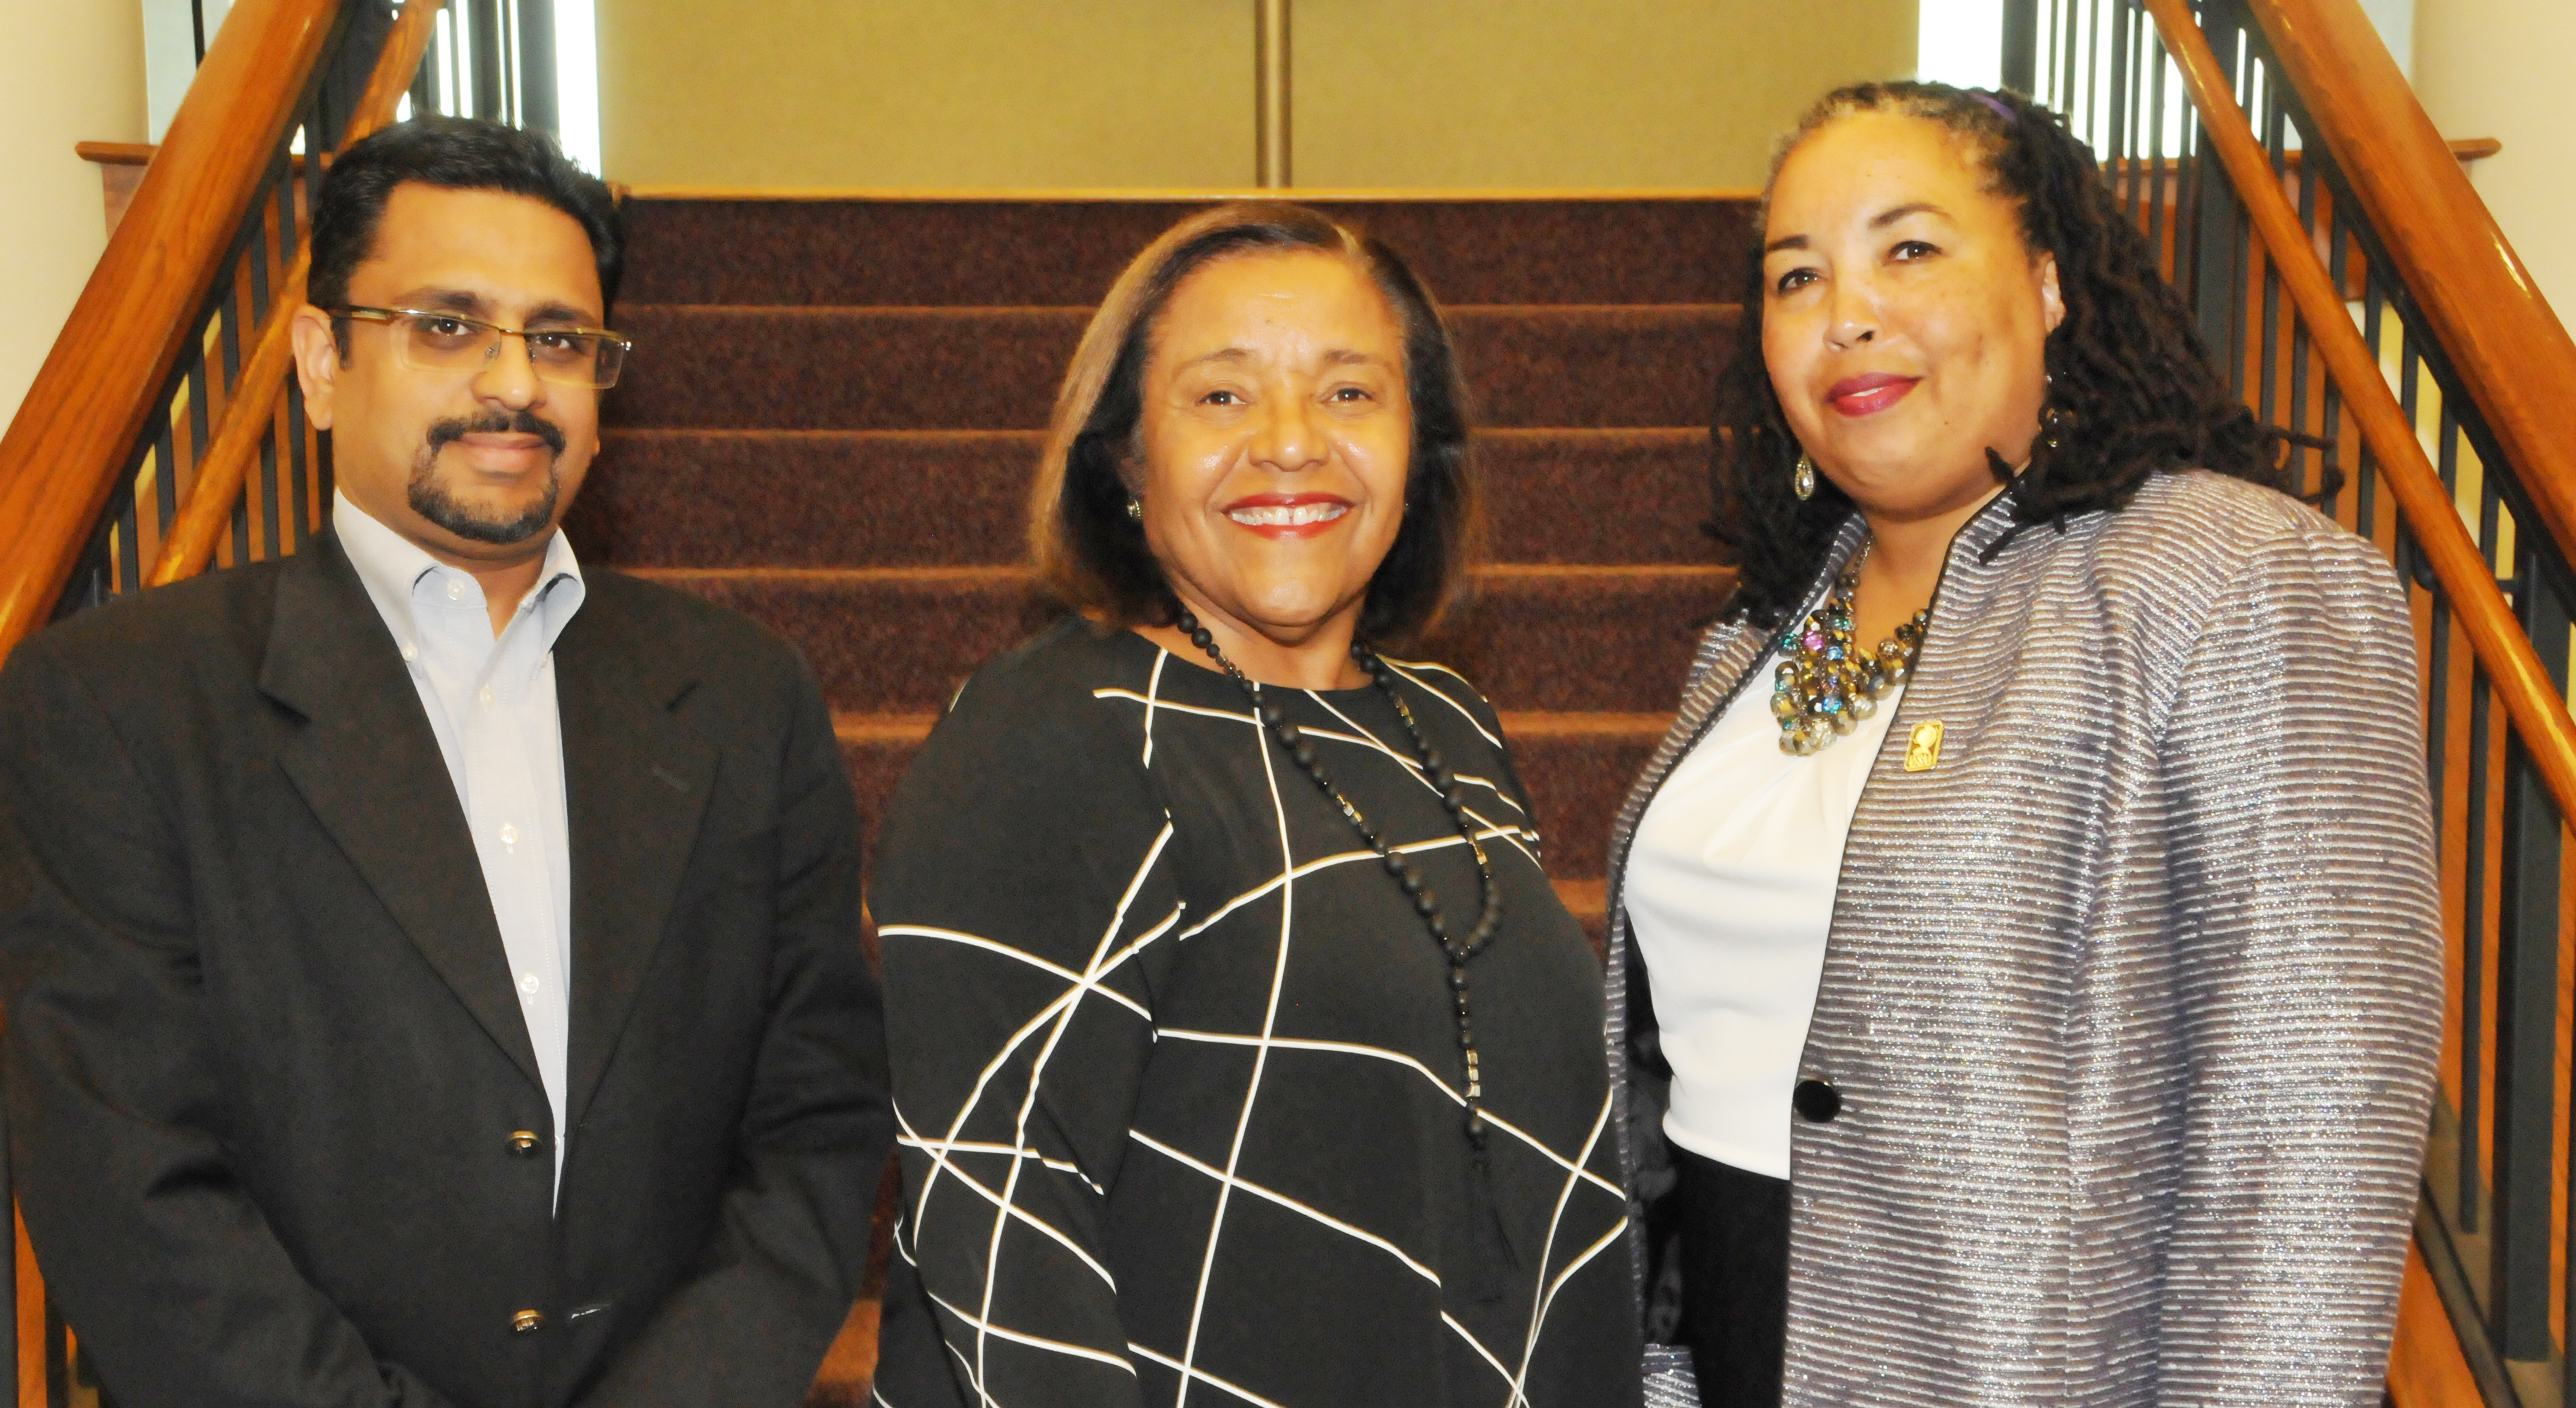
[{"x": 1092, "y": 557}]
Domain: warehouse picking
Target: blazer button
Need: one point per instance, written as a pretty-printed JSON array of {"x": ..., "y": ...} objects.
[
  {"x": 524, "y": 1142},
  {"x": 527, "y": 1322},
  {"x": 1817, "y": 1100}
]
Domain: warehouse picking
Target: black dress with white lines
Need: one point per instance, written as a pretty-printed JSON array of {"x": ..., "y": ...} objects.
[{"x": 1178, "y": 1072}]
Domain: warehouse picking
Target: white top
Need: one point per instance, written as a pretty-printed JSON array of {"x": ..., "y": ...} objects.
[
  {"x": 492, "y": 704},
  {"x": 1730, "y": 892}
]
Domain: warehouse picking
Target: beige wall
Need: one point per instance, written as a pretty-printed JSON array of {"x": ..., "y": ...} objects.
[
  {"x": 1572, "y": 92},
  {"x": 2500, "y": 68},
  {"x": 1002, "y": 93},
  {"x": 70, "y": 71},
  {"x": 926, "y": 93}
]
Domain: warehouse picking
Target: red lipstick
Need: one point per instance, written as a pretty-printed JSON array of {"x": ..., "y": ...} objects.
[{"x": 1869, "y": 393}]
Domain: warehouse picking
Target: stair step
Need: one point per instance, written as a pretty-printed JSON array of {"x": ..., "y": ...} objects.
[
  {"x": 955, "y": 252},
  {"x": 902, "y": 639},
  {"x": 906, "y": 498},
  {"x": 990, "y": 368},
  {"x": 1577, "y": 766}
]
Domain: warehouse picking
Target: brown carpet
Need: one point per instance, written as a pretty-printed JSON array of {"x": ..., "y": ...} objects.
[{"x": 831, "y": 419}]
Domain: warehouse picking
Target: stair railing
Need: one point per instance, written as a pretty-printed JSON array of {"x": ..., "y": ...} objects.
[
  {"x": 2358, "y": 292},
  {"x": 163, "y": 431}
]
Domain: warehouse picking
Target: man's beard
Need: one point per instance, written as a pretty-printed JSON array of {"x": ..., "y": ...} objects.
[{"x": 431, "y": 500}]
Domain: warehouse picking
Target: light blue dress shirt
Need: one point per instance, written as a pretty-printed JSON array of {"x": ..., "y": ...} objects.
[{"x": 491, "y": 701}]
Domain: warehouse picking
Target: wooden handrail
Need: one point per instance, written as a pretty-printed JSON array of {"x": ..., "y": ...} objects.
[
  {"x": 2463, "y": 150},
  {"x": 2530, "y": 697},
  {"x": 61, "y": 457},
  {"x": 252, "y": 408},
  {"x": 2484, "y": 311}
]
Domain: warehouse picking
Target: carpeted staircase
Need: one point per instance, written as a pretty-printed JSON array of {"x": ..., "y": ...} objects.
[{"x": 835, "y": 406}]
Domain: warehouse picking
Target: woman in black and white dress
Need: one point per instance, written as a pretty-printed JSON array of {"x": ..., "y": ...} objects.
[{"x": 1243, "y": 1051}]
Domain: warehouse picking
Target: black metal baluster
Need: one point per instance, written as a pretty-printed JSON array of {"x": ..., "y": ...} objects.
[
  {"x": 2299, "y": 349},
  {"x": 2473, "y": 985},
  {"x": 2268, "y": 362},
  {"x": 241, "y": 528},
  {"x": 229, "y": 354},
  {"x": 130, "y": 567},
  {"x": 2338, "y": 248},
  {"x": 533, "y": 59},
  {"x": 2446, "y": 461},
  {"x": 282, "y": 190},
  {"x": 2365, "y": 493},
  {"x": 264, "y": 483},
  {"x": 2142, "y": 44},
  {"x": 2020, "y": 70},
  {"x": 165, "y": 480},
  {"x": 424, "y": 80},
  {"x": 199, "y": 414},
  {"x": 485, "y": 57},
  {"x": 298, "y": 468},
  {"x": 2065, "y": 104},
  {"x": 2092, "y": 75},
  {"x": 2157, "y": 219},
  {"x": 2527, "y": 1006},
  {"x": 2490, "y": 510}
]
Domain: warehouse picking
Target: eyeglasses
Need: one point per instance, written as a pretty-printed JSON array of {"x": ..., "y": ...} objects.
[{"x": 430, "y": 341}]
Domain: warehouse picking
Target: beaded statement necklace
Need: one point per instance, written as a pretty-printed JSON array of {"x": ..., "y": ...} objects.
[
  {"x": 1826, "y": 684},
  {"x": 1426, "y": 903}
]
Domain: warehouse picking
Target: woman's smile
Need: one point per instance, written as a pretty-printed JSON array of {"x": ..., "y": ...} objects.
[{"x": 1283, "y": 517}]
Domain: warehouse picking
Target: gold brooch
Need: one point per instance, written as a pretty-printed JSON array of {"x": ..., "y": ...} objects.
[{"x": 1923, "y": 749}]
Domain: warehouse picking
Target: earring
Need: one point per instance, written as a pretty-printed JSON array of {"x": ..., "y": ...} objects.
[
  {"x": 1802, "y": 480},
  {"x": 2055, "y": 423},
  {"x": 1136, "y": 510}
]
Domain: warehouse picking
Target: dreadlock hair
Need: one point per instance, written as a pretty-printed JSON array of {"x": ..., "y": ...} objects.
[{"x": 2133, "y": 388}]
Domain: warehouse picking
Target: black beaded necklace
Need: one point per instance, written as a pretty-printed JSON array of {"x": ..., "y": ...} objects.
[{"x": 1425, "y": 902}]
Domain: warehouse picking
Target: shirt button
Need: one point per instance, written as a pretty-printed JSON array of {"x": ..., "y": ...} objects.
[
  {"x": 456, "y": 592},
  {"x": 527, "y": 1322},
  {"x": 509, "y": 835},
  {"x": 411, "y": 652},
  {"x": 528, "y": 983},
  {"x": 524, "y": 1142},
  {"x": 486, "y": 696}
]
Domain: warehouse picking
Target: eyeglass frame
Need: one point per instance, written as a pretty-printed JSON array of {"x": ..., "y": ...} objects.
[{"x": 388, "y": 317}]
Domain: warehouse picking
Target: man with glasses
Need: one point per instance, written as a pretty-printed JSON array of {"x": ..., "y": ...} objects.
[{"x": 432, "y": 969}]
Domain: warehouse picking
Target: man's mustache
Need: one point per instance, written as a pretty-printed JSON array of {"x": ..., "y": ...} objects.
[{"x": 523, "y": 422}]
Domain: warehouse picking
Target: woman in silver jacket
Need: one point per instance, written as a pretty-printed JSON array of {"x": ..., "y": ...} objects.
[{"x": 2025, "y": 976}]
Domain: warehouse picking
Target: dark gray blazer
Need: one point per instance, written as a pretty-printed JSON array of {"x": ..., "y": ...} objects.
[
  {"x": 264, "y": 1059},
  {"x": 2133, "y": 999}
]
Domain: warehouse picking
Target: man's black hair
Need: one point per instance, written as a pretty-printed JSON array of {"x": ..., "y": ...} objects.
[{"x": 456, "y": 154}]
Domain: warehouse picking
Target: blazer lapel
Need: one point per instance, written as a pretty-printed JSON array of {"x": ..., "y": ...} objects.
[
  {"x": 636, "y": 785},
  {"x": 368, "y": 765}
]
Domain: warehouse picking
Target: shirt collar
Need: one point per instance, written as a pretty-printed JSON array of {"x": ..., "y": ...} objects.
[{"x": 391, "y": 566}]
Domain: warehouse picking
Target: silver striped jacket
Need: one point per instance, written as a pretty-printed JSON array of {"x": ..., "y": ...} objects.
[{"x": 2133, "y": 997}]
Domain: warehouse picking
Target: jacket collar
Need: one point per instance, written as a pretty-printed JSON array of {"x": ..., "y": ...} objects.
[
  {"x": 368, "y": 765},
  {"x": 637, "y": 779},
  {"x": 1731, "y": 650}
]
